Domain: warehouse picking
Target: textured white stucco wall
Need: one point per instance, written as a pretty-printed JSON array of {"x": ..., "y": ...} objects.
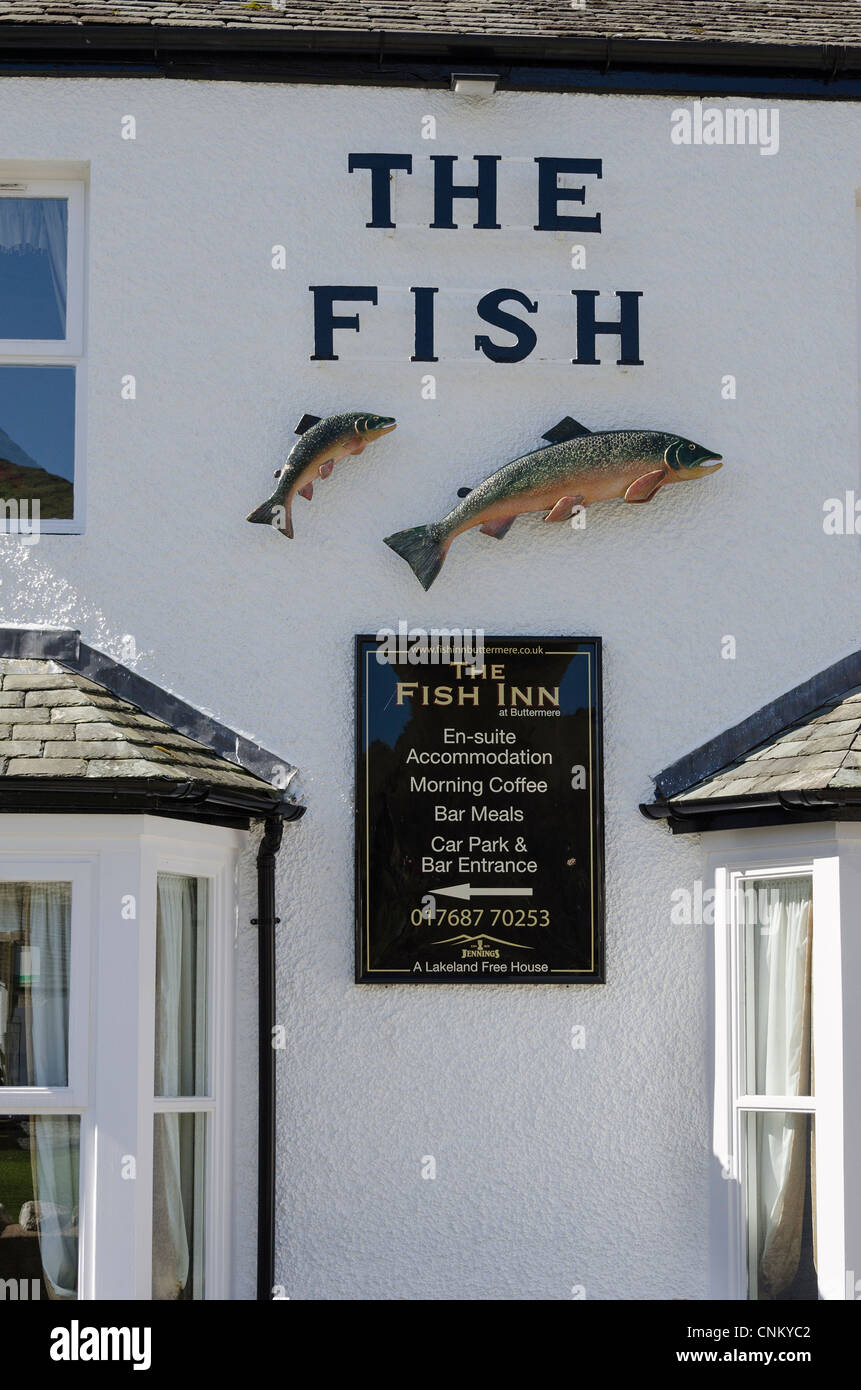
[{"x": 555, "y": 1168}]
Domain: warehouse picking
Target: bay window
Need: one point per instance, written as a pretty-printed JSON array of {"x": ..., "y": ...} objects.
[{"x": 115, "y": 954}]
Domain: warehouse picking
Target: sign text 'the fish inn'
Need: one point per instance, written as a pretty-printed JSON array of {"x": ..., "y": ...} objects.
[{"x": 552, "y": 216}]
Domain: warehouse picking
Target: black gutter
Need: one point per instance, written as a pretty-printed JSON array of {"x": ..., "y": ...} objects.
[
  {"x": 769, "y": 808},
  {"x": 195, "y": 799},
  {"x": 266, "y": 922},
  {"x": 544, "y": 63}
]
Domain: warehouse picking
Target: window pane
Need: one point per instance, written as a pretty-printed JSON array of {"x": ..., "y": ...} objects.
[
  {"x": 179, "y": 1152},
  {"x": 181, "y": 1006},
  {"x": 777, "y": 924},
  {"x": 37, "y": 439},
  {"x": 35, "y": 943},
  {"x": 781, "y": 1206},
  {"x": 39, "y": 1204},
  {"x": 34, "y": 234}
]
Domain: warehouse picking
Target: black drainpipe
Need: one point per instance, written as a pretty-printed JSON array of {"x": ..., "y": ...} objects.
[{"x": 266, "y": 922}]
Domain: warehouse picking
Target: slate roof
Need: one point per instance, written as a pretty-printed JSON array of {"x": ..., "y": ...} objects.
[
  {"x": 796, "y": 22},
  {"x": 820, "y": 752},
  {"x": 55, "y": 723}
]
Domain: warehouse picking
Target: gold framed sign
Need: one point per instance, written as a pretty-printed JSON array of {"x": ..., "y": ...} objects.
[{"x": 479, "y": 812}]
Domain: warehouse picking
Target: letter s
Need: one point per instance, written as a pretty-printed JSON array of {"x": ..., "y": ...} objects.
[{"x": 489, "y": 310}]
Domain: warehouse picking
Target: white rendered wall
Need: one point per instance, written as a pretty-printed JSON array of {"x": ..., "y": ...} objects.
[{"x": 555, "y": 1168}]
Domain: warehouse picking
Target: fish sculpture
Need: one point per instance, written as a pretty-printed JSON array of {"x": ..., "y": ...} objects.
[
  {"x": 314, "y": 455},
  {"x": 576, "y": 468}
]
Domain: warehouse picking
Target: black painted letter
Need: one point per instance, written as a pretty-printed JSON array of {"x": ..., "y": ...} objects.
[
  {"x": 381, "y": 166},
  {"x": 325, "y": 321},
  {"x": 423, "y": 295},
  {"x": 489, "y": 310},
  {"x": 550, "y": 195},
  {"x": 627, "y": 328},
  {"x": 445, "y": 191}
]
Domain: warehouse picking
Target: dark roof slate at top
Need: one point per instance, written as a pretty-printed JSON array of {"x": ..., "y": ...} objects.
[
  {"x": 819, "y": 753},
  {"x": 797, "y": 757},
  {"x": 791, "y": 22},
  {"x": 55, "y": 723}
]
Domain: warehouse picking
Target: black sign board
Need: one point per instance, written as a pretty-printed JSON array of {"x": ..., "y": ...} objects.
[{"x": 479, "y": 801}]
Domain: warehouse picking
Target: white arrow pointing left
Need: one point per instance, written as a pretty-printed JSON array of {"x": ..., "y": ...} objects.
[{"x": 463, "y": 890}]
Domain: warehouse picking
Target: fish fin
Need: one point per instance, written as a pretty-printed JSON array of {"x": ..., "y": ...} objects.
[
  {"x": 566, "y": 429},
  {"x": 422, "y": 549},
  {"x": 464, "y": 491},
  {"x": 499, "y": 528},
  {"x": 325, "y": 468},
  {"x": 564, "y": 507},
  {"x": 306, "y": 422},
  {"x": 307, "y": 491},
  {"x": 643, "y": 489},
  {"x": 275, "y": 514}
]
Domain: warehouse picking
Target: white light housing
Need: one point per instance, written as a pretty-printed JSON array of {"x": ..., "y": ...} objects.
[{"x": 474, "y": 84}]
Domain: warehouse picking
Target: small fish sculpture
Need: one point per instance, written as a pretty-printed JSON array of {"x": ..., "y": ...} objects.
[
  {"x": 322, "y": 444},
  {"x": 575, "y": 469}
]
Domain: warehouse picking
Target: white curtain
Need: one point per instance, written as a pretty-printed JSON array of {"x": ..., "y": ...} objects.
[
  {"x": 49, "y": 921},
  {"x": 56, "y": 1135},
  {"x": 57, "y": 1143},
  {"x": 180, "y": 1061},
  {"x": 37, "y": 918},
  {"x": 38, "y": 224},
  {"x": 782, "y": 941}
]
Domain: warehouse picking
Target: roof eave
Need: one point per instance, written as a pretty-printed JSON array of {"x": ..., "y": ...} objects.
[
  {"x": 419, "y": 58},
  {"x": 64, "y": 646},
  {"x": 743, "y": 812},
  {"x": 195, "y": 799}
]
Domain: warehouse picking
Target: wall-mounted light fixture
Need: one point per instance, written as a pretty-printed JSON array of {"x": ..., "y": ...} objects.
[{"x": 474, "y": 84}]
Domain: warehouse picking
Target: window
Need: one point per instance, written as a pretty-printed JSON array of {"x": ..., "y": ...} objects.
[
  {"x": 41, "y": 354},
  {"x": 181, "y": 1104},
  {"x": 784, "y": 968},
  {"x": 774, "y": 925},
  {"x": 43, "y": 1090},
  {"x": 116, "y": 1058}
]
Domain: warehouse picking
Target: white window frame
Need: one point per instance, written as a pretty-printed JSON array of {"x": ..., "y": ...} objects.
[
  {"x": 70, "y": 1099},
  {"x": 161, "y": 856},
  {"x": 57, "y": 352},
  {"x": 113, "y": 861},
  {"x": 829, "y": 855}
]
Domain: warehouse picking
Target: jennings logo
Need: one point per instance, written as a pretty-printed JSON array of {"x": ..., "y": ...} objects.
[{"x": 476, "y": 946}]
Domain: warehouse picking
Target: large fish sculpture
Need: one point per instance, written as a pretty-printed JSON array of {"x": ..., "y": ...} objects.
[
  {"x": 314, "y": 455},
  {"x": 575, "y": 469}
]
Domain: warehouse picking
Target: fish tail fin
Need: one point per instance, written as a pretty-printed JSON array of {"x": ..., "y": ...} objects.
[
  {"x": 274, "y": 513},
  {"x": 424, "y": 548}
]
